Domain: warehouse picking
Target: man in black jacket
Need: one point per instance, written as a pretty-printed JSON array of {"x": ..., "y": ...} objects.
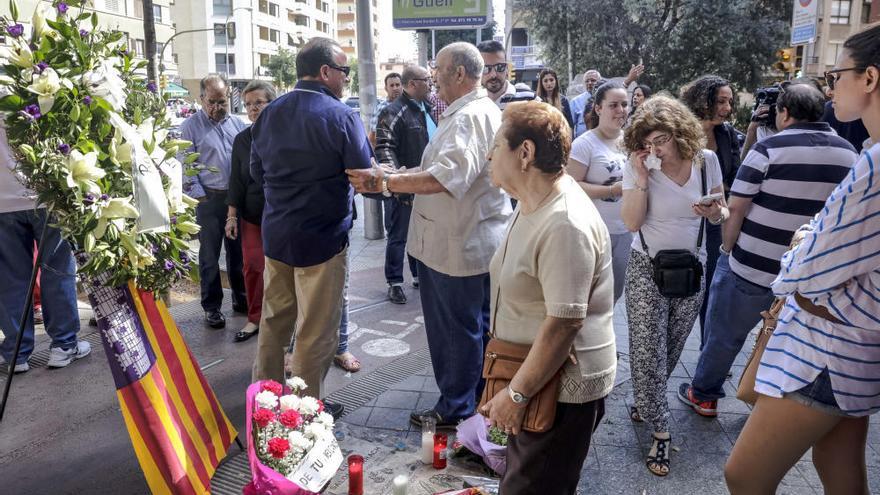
[{"x": 402, "y": 132}]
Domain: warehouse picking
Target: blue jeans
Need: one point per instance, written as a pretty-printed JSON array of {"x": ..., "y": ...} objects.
[
  {"x": 712, "y": 241},
  {"x": 211, "y": 217},
  {"x": 734, "y": 308},
  {"x": 343, "y": 322},
  {"x": 397, "y": 216},
  {"x": 457, "y": 325},
  {"x": 18, "y": 231}
]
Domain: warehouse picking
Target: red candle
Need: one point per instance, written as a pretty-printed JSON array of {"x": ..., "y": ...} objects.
[
  {"x": 440, "y": 451},
  {"x": 355, "y": 475}
]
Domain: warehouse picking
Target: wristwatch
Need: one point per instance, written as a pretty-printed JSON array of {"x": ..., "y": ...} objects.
[
  {"x": 385, "y": 191},
  {"x": 517, "y": 397}
]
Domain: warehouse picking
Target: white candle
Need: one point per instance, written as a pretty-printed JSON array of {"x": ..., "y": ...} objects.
[
  {"x": 427, "y": 447},
  {"x": 400, "y": 482}
]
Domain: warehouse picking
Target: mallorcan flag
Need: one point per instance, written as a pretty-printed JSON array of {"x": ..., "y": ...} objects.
[{"x": 177, "y": 427}]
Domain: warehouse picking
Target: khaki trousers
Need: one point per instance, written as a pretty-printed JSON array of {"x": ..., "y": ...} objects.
[{"x": 306, "y": 300}]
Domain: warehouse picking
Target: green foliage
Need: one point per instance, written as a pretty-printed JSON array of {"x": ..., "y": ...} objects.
[
  {"x": 677, "y": 40},
  {"x": 78, "y": 118},
  {"x": 354, "y": 84},
  {"x": 446, "y": 36},
  {"x": 282, "y": 68}
]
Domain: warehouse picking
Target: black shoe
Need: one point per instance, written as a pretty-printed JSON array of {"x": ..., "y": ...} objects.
[
  {"x": 416, "y": 419},
  {"x": 334, "y": 409},
  {"x": 93, "y": 322},
  {"x": 245, "y": 333},
  {"x": 240, "y": 308},
  {"x": 215, "y": 319},
  {"x": 396, "y": 294}
]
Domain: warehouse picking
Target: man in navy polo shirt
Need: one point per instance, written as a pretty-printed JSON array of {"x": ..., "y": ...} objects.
[{"x": 302, "y": 144}]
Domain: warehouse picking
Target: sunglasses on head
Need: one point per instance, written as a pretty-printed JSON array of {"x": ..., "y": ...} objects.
[
  {"x": 500, "y": 68},
  {"x": 831, "y": 78},
  {"x": 345, "y": 69}
]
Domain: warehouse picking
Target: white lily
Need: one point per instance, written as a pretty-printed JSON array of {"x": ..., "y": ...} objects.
[
  {"x": 115, "y": 210},
  {"x": 39, "y": 23},
  {"x": 45, "y": 85},
  {"x": 188, "y": 227},
  {"x": 104, "y": 81},
  {"x": 82, "y": 171},
  {"x": 19, "y": 54},
  {"x": 139, "y": 255}
]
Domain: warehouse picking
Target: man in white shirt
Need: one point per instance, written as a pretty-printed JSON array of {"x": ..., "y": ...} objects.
[
  {"x": 457, "y": 223},
  {"x": 21, "y": 224}
]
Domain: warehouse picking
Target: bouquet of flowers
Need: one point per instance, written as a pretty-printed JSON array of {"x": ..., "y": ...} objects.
[
  {"x": 90, "y": 137},
  {"x": 291, "y": 446},
  {"x": 489, "y": 443}
]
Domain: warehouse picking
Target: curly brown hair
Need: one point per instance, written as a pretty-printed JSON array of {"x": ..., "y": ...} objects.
[
  {"x": 544, "y": 125},
  {"x": 664, "y": 113},
  {"x": 701, "y": 95}
]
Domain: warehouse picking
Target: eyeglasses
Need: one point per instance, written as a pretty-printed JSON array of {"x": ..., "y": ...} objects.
[
  {"x": 425, "y": 79},
  {"x": 831, "y": 79},
  {"x": 341, "y": 68},
  {"x": 256, "y": 104},
  {"x": 216, "y": 103},
  {"x": 657, "y": 141},
  {"x": 500, "y": 68}
]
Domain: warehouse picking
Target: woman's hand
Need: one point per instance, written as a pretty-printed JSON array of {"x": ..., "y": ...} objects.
[
  {"x": 617, "y": 189},
  {"x": 713, "y": 212},
  {"x": 637, "y": 161},
  {"x": 504, "y": 414},
  {"x": 231, "y": 228}
]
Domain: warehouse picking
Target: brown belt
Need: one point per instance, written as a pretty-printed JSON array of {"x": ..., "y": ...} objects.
[{"x": 815, "y": 309}]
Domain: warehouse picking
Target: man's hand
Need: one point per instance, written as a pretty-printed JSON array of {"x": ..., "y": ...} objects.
[{"x": 367, "y": 180}]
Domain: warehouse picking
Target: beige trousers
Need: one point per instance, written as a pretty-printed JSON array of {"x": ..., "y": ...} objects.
[{"x": 308, "y": 301}]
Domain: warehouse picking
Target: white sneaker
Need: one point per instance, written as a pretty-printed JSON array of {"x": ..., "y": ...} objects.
[
  {"x": 18, "y": 368},
  {"x": 59, "y": 358}
]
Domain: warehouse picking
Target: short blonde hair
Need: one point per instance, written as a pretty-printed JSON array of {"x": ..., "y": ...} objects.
[
  {"x": 664, "y": 113},
  {"x": 544, "y": 125}
]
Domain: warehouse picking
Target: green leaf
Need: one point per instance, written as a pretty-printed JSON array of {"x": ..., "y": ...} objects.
[
  {"x": 191, "y": 158},
  {"x": 89, "y": 243},
  {"x": 13, "y": 9},
  {"x": 94, "y": 20},
  {"x": 11, "y": 103},
  {"x": 74, "y": 112}
]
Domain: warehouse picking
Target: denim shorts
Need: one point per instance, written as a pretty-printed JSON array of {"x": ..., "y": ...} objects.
[{"x": 818, "y": 395}]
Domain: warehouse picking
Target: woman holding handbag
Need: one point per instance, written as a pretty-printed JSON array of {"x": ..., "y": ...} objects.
[
  {"x": 817, "y": 381},
  {"x": 552, "y": 293},
  {"x": 665, "y": 187}
]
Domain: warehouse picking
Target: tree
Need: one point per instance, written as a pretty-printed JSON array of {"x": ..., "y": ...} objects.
[
  {"x": 149, "y": 40},
  {"x": 443, "y": 37},
  {"x": 282, "y": 68},
  {"x": 677, "y": 40},
  {"x": 354, "y": 85}
]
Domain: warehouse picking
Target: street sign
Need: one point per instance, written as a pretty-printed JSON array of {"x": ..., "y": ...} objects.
[
  {"x": 441, "y": 14},
  {"x": 803, "y": 22}
]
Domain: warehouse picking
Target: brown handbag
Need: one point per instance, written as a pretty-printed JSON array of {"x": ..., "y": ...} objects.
[
  {"x": 502, "y": 361},
  {"x": 746, "y": 389}
]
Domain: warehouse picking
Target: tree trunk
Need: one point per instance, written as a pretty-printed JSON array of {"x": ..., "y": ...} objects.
[{"x": 150, "y": 40}]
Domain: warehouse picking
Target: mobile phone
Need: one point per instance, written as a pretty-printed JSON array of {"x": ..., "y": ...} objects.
[{"x": 708, "y": 199}]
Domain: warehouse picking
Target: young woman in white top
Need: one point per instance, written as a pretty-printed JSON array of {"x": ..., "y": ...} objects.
[
  {"x": 596, "y": 163},
  {"x": 818, "y": 378},
  {"x": 662, "y": 204}
]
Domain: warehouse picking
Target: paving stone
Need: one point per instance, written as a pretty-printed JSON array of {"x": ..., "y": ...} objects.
[
  {"x": 398, "y": 399},
  {"x": 615, "y": 435},
  {"x": 688, "y": 420},
  {"x": 704, "y": 442},
  {"x": 617, "y": 459},
  {"x": 413, "y": 383},
  {"x": 427, "y": 400},
  {"x": 389, "y": 419},
  {"x": 358, "y": 417}
]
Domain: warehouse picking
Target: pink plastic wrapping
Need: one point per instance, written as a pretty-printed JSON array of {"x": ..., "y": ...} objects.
[{"x": 473, "y": 433}]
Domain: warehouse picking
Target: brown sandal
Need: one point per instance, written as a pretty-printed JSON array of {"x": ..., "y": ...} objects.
[{"x": 348, "y": 362}]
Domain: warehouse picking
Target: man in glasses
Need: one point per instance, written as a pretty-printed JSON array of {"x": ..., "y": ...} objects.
[
  {"x": 402, "y": 132},
  {"x": 212, "y": 131},
  {"x": 495, "y": 71},
  {"x": 302, "y": 145}
]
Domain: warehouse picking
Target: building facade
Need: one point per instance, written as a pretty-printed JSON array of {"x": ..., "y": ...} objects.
[
  {"x": 838, "y": 19},
  {"x": 346, "y": 18}
]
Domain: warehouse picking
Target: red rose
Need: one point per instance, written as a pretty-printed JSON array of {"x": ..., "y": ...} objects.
[
  {"x": 291, "y": 419},
  {"x": 271, "y": 386},
  {"x": 263, "y": 417},
  {"x": 320, "y": 406},
  {"x": 278, "y": 447}
]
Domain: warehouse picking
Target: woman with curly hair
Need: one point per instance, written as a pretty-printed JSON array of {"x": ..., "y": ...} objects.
[
  {"x": 710, "y": 98},
  {"x": 661, "y": 204},
  {"x": 548, "y": 91}
]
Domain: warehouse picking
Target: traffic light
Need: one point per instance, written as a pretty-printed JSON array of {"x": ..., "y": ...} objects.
[
  {"x": 784, "y": 60},
  {"x": 163, "y": 81},
  {"x": 511, "y": 72}
]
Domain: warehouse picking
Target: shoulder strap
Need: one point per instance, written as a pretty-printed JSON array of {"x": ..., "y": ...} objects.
[
  {"x": 498, "y": 292},
  {"x": 644, "y": 245},
  {"x": 702, "y": 188}
]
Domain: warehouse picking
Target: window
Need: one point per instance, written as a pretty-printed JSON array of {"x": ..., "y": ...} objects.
[
  {"x": 832, "y": 51},
  {"x": 157, "y": 13},
  {"x": 139, "y": 9},
  {"x": 274, "y": 35},
  {"x": 174, "y": 57},
  {"x": 840, "y": 11},
  {"x": 113, "y": 5},
  {"x": 264, "y": 59},
  {"x": 264, "y": 33},
  {"x": 222, "y": 7},
  {"x": 301, "y": 20},
  {"x": 866, "y": 11},
  {"x": 219, "y": 34},
  {"x": 225, "y": 68},
  {"x": 274, "y": 11},
  {"x": 137, "y": 46}
]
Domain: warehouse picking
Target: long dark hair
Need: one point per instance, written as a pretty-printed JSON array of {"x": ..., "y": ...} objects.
[
  {"x": 646, "y": 93},
  {"x": 701, "y": 95},
  {"x": 599, "y": 98},
  {"x": 553, "y": 97}
]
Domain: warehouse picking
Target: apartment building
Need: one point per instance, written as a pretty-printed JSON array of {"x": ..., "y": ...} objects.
[
  {"x": 120, "y": 15},
  {"x": 838, "y": 19},
  {"x": 346, "y": 19},
  {"x": 262, "y": 27}
]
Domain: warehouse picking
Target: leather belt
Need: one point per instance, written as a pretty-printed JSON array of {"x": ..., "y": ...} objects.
[{"x": 815, "y": 309}]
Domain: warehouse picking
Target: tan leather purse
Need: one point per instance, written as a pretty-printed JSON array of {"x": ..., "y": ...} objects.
[{"x": 746, "y": 389}]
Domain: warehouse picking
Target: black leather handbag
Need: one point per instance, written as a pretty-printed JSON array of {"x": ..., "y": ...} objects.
[{"x": 678, "y": 272}]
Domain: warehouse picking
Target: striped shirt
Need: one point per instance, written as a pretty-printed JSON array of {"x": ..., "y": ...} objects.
[
  {"x": 836, "y": 265},
  {"x": 788, "y": 177}
]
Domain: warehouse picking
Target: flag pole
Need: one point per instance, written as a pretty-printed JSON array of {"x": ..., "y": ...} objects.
[{"x": 25, "y": 312}]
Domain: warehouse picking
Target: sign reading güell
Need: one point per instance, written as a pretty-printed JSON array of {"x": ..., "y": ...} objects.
[
  {"x": 440, "y": 14},
  {"x": 803, "y": 22}
]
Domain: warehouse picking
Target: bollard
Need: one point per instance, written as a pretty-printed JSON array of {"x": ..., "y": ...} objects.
[{"x": 373, "y": 229}]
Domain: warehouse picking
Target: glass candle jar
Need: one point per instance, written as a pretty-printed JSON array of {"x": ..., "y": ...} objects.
[
  {"x": 440, "y": 451},
  {"x": 429, "y": 427},
  {"x": 355, "y": 475}
]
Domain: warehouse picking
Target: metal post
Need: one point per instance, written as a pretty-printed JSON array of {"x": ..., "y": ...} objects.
[
  {"x": 367, "y": 79},
  {"x": 433, "y": 44},
  {"x": 422, "y": 39},
  {"x": 479, "y": 35}
]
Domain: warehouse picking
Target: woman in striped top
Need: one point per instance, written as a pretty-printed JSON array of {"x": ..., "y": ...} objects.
[{"x": 820, "y": 373}]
